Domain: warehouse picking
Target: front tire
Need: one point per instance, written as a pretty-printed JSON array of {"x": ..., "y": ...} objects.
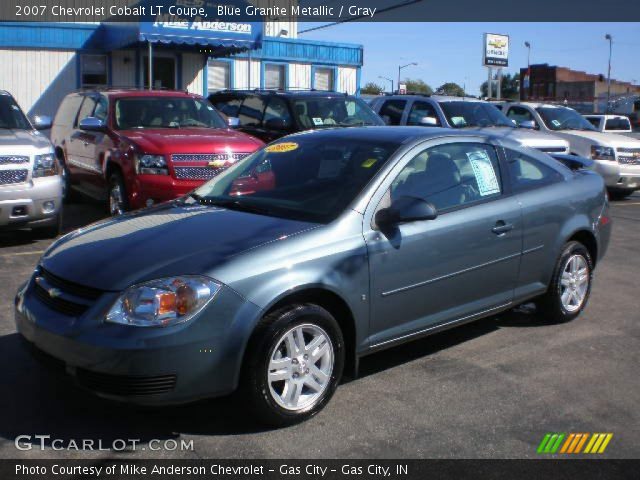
[
  {"x": 117, "y": 195},
  {"x": 621, "y": 193},
  {"x": 570, "y": 286},
  {"x": 293, "y": 365}
]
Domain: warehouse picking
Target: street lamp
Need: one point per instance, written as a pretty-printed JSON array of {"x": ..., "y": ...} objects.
[
  {"x": 388, "y": 79},
  {"x": 400, "y": 67},
  {"x": 610, "y": 38}
]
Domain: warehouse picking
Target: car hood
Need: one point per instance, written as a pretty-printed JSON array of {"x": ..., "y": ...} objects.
[
  {"x": 171, "y": 239},
  {"x": 191, "y": 140},
  {"x": 601, "y": 138},
  {"x": 24, "y": 139},
  {"x": 529, "y": 138}
]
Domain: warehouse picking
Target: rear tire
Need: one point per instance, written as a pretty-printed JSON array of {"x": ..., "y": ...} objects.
[
  {"x": 117, "y": 200},
  {"x": 293, "y": 364},
  {"x": 570, "y": 286},
  {"x": 620, "y": 194},
  {"x": 69, "y": 195}
]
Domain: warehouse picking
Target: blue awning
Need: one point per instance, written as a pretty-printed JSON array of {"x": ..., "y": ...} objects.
[{"x": 239, "y": 33}]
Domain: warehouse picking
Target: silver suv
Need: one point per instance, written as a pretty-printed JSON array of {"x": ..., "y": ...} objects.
[
  {"x": 461, "y": 113},
  {"x": 30, "y": 179}
]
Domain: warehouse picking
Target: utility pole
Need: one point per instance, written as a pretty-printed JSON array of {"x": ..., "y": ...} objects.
[
  {"x": 610, "y": 38},
  {"x": 526, "y": 84}
]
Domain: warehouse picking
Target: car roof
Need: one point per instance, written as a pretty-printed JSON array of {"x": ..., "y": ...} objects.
[
  {"x": 124, "y": 92},
  {"x": 397, "y": 134},
  {"x": 435, "y": 98},
  {"x": 284, "y": 93}
]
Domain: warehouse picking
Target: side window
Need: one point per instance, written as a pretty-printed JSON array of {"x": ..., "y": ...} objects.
[
  {"x": 250, "y": 114},
  {"x": 277, "y": 110},
  {"x": 230, "y": 106},
  {"x": 102, "y": 109},
  {"x": 86, "y": 110},
  {"x": 451, "y": 175},
  {"x": 526, "y": 172},
  {"x": 595, "y": 121},
  {"x": 392, "y": 109},
  {"x": 421, "y": 111},
  {"x": 520, "y": 114}
]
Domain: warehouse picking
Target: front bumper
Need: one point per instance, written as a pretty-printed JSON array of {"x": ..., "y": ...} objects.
[
  {"x": 24, "y": 205},
  {"x": 158, "y": 189},
  {"x": 619, "y": 176},
  {"x": 146, "y": 366}
]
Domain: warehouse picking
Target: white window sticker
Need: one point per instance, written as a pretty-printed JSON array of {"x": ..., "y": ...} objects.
[
  {"x": 484, "y": 172},
  {"x": 458, "y": 121},
  {"x": 317, "y": 121},
  {"x": 556, "y": 123}
]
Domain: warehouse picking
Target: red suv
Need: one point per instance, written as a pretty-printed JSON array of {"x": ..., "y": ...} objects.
[{"x": 134, "y": 148}]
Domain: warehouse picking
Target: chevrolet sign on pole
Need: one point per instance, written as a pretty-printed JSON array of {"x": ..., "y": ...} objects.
[{"x": 496, "y": 50}]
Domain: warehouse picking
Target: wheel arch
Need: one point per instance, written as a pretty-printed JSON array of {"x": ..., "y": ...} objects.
[{"x": 588, "y": 239}]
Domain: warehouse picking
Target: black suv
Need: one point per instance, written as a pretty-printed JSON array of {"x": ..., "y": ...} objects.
[{"x": 269, "y": 114}]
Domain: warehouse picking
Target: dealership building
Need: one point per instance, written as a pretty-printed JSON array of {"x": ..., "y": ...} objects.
[{"x": 42, "y": 62}]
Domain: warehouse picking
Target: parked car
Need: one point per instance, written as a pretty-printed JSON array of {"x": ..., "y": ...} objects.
[
  {"x": 30, "y": 179},
  {"x": 271, "y": 114},
  {"x": 617, "y": 157},
  {"x": 134, "y": 148},
  {"x": 461, "y": 113},
  {"x": 364, "y": 238},
  {"x": 610, "y": 123}
]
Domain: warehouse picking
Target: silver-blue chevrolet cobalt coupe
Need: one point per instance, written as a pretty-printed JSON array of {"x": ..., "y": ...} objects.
[{"x": 287, "y": 268}]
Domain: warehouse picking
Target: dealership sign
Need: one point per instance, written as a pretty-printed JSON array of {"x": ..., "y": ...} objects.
[{"x": 496, "y": 50}]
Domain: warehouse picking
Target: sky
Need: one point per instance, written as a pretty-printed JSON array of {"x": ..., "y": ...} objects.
[{"x": 452, "y": 52}]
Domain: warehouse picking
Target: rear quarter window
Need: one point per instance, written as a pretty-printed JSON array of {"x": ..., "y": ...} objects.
[
  {"x": 67, "y": 111},
  {"x": 526, "y": 173}
]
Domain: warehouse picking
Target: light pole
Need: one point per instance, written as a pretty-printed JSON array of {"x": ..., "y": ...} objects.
[
  {"x": 525, "y": 85},
  {"x": 610, "y": 38},
  {"x": 388, "y": 79},
  {"x": 400, "y": 67}
]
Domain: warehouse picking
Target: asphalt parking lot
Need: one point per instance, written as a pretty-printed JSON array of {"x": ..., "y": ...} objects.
[{"x": 486, "y": 390}]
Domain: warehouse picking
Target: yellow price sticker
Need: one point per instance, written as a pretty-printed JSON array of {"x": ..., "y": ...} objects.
[
  {"x": 282, "y": 147},
  {"x": 369, "y": 163}
]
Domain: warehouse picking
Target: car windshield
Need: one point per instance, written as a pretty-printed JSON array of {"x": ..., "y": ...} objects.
[
  {"x": 563, "y": 118},
  {"x": 306, "y": 178},
  {"x": 474, "y": 114},
  {"x": 11, "y": 116},
  {"x": 166, "y": 112},
  {"x": 321, "y": 112}
]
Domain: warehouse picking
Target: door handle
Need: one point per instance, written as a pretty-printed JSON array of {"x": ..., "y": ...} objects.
[{"x": 502, "y": 227}]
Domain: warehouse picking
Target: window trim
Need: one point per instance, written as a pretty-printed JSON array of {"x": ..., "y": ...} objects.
[
  {"x": 263, "y": 74},
  {"x": 231, "y": 65},
  {"x": 324, "y": 67}
]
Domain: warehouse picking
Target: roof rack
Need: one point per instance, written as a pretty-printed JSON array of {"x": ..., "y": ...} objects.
[{"x": 278, "y": 90}]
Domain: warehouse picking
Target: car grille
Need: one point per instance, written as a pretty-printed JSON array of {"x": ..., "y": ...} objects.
[
  {"x": 13, "y": 159},
  {"x": 553, "y": 149},
  {"x": 208, "y": 157},
  {"x": 197, "y": 173},
  {"x": 10, "y": 177},
  {"x": 629, "y": 156},
  {"x": 70, "y": 298},
  {"x": 124, "y": 385}
]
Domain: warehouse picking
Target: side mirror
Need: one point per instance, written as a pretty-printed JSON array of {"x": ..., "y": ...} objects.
[
  {"x": 428, "y": 122},
  {"x": 406, "y": 210},
  {"x": 41, "y": 122},
  {"x": 233, "y": 122},
  {"x": 92, "y": 124},
  {"x": 276, "y": 124},
  {"x": 530, "y": 124}
]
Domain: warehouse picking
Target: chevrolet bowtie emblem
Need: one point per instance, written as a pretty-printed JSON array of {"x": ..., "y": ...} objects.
[{"x": 54, "y": 292}]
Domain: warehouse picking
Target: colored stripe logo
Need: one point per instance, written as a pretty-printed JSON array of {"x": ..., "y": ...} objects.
[{"x": 574, "y": 443}]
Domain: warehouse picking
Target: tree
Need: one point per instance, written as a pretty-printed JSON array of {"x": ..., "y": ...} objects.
[
  {"x": 372, "y": 89},
  {"x": 418, "y": 86},
  {"x": 451, "y": 88},
  {"x": 510, "y": 86}
]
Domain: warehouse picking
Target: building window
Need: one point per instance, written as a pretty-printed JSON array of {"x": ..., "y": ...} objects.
[
  {"x": 323, "y": 79},
  {"x": 274, "y": 77},
  {"x": 218, "y": 76},
  {"x": 93, "y": 70}
]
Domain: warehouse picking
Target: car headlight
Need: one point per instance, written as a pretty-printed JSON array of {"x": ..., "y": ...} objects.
[
  {"x": 45, "y": 165},
  {"x": 164, "y": 302},
  {"x": 602, "y": 153},
  {"x": 151, "y": 165}
]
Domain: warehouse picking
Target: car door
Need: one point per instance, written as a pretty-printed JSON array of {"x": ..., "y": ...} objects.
[
  {"x": 77, "y": 145},
  {"x": 423, "y": 114},
  {"x": 87, "y": 166},
  {"x": 463, "y": 263}
]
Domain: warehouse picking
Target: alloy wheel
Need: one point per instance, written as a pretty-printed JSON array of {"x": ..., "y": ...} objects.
[
  {"x": 574, "y": 283},
  {"x": 116, "y": 203},
  {"x": 300, "y": 367}
]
